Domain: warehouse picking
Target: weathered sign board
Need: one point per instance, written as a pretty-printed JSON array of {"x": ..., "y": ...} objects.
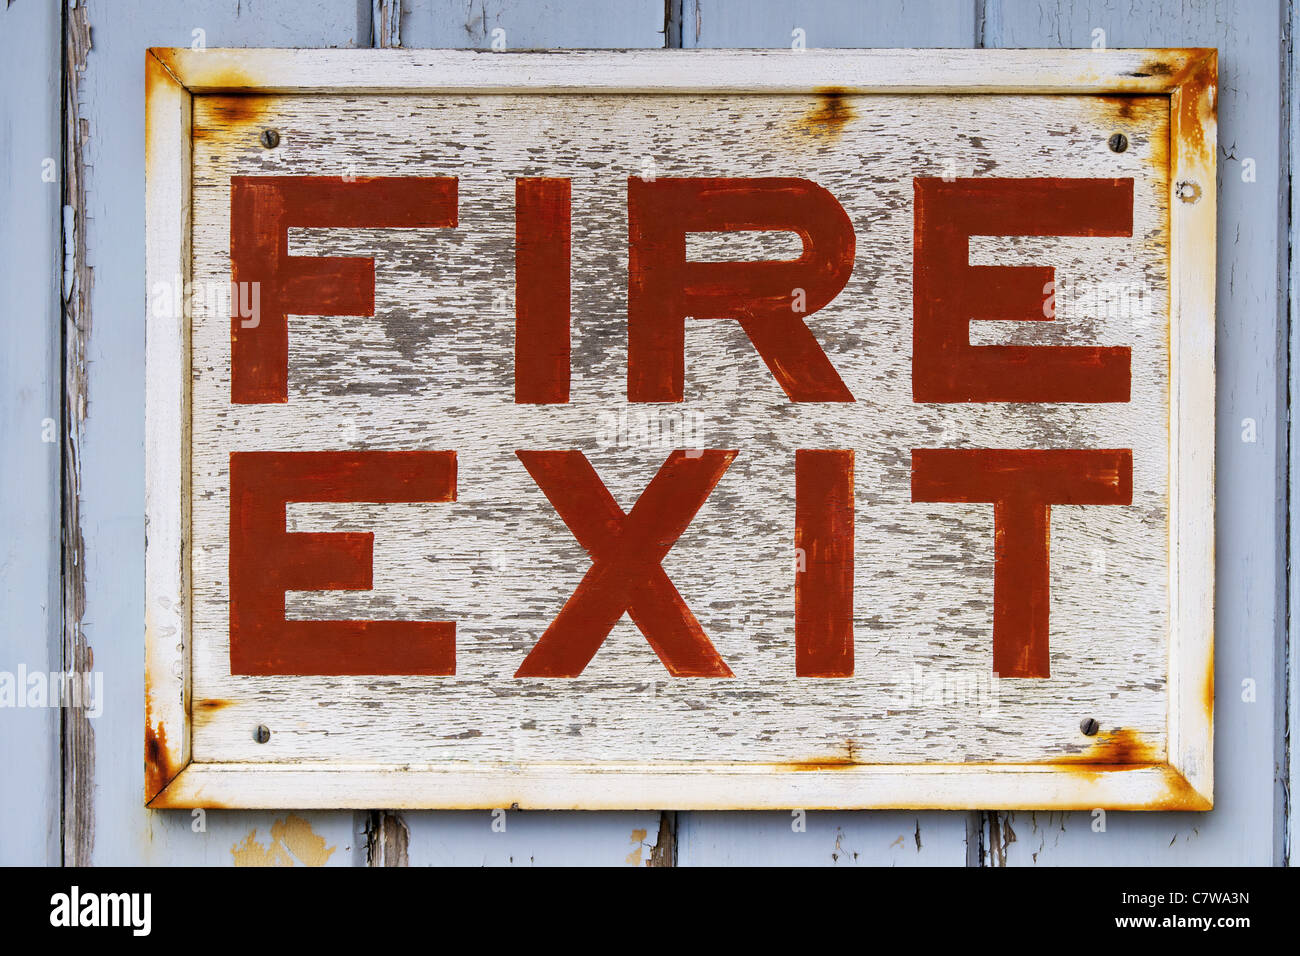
[{"x": 705, "y": 430}]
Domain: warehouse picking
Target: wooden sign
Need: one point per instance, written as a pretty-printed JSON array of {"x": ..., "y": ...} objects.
[{"x": 701, "y": 430}]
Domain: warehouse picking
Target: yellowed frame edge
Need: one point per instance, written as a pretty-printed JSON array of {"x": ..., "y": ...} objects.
[
  {"x": 1192, "y": 274},
  {"x": 167, "y": 264},
  {"x": 1187, "y": 76}
]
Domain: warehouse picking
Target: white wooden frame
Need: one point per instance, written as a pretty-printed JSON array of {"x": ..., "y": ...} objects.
[{"x": 1187, "y": 76}]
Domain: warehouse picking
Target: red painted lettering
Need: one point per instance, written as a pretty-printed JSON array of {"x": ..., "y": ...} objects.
[
  {"x": 266, "y": 561},
  {"x": 542, "y": 256},
  {"x": 262, "y": 211},
  {"x": 948, "y": 292},
  {"x": 664, "y": 288},
  {"x": 625, "y": 574},
  {"x": 823, "y": 538},
  {"x": 1022, "y": 485}
]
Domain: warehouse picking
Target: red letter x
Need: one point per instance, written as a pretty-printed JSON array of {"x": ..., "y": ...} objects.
[{"x": 625, "y": 573}]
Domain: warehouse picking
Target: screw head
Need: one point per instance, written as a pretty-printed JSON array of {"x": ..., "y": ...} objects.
[
  {"x": 262, "y": 734},
  {"x": 270, "y": 138},
  {"x": 1118, "y": 143},
  {"x": 1089, "y": 726}
]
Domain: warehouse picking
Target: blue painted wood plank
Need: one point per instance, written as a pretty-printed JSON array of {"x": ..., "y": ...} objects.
[
  {"x": 828, "y": 23},
  {"x": 512, "y": 838},
  {"x": 531, "y": 838},
  {"x": 533, "y": 25},
  {"x": 1245, "y": 828},
  {"x": 822, "y": 838},
  {"x": 861, "y": 838},
  {"x": 1288, "y": 761},
  {"x": 112, "y": 500},
  {"x": 30, "y": 374}
]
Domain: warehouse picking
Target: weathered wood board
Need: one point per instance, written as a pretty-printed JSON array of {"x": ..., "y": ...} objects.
[{"x": 916, "y": 716}]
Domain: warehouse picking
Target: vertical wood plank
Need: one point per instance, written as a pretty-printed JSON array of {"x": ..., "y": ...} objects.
[
  {"x": 112, "y": 826},
  {"x": 533, "y": 24},
  {"x": 822, "y": 838},
  {"x": 845, "y": 838},
  {"x": 1245, "y": 828},
  {"x": 1291, "y": 665},
  {"x": 31, "y": 358},
  {"x": 511, "y": 837},
  {"x": 535, "y": 838},
  {"x": 787, "y": 23}
]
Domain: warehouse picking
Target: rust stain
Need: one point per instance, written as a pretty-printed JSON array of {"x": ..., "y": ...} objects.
[
  {"x": 226, "y": 76},
  {"x": 1157, "y": 156},
  {"x": 158, "y": 770},
  {"x": 1196, "y": 103},
  {"x": 1123, "y": 747},
  {"x": 1207, "y": 690},
  {"x": 1132, "y": 113},
  {"x": 825, "y": 122},
  {"x": 829, "y": 763},
  {"x": 170, "y": 799},
  {"x": 240, "y": 105},
  {"x": 292, "y": 841},
  {"x": 155, "y": 74},
  {"x": 155, "y": 77},
  {"x": 158, "y": 767},
  {"x": 1118, "y": 747},
  {"x": 205, "y": 710},
  {"x": 229, "y": 111},
  {"x": 1173, "y": 67},
  {"x": 1180, "y": 795},
  {"x": 165, "y": 56},
  {"x": 634, "y": 858},
  {"x": 1122, "y": 105},
  {"x": 832, "y": 762},
  {"x": 1155, "y": 68}
]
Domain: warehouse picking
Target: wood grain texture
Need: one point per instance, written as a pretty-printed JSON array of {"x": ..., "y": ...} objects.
[
  {"x": 1026, "y": 23},
  {"x": 78, "y": 738},
  {"x": 593, "y": 73},
  {"x": 506, "y": 563},
  {"x": 30, "y": 425},
  {"x": 1247, "y": 824},
  {"x": 725, "y": 838},
  {"x": 684, "y": 29}
]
